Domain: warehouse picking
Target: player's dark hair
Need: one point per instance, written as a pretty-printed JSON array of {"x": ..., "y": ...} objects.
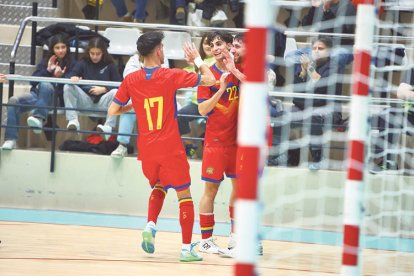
[
  {"x": 147, "y": 42},
  {"x": 239, "y": 37},
  {"x": 220, "y": 35}
]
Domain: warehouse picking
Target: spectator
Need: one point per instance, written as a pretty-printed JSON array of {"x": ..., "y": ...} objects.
[
  {"x": 329, "y": 16},
  {"x": 96, "y": 64},
  {"x": 192, "y": 107},
  {"x": 318, "y": 75},
  {"x": 391, "y": 123},
  {"x": 127, "y": 120},
  {"x": 56, "y": 63},
  {"x": 138, "y": 15}
]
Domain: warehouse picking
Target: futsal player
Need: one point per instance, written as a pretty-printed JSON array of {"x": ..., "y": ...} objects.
[{"x": 161, "y": 151}]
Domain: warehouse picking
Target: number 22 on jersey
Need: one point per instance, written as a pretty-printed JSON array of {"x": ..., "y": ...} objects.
[{"x": 149, "y": 103}]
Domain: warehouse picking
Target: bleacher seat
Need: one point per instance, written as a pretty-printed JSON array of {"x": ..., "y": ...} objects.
[
  {"x": 122, "y": 41},
  {"x": 173, "y": 44}
]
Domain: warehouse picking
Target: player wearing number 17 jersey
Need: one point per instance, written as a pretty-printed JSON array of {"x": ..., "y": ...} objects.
[{"x": 164, "y": 162}]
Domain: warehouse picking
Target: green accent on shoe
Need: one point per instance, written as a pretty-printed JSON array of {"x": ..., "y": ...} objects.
[
  {"x": 148, "y": 242},
  {"x": 189, "y": 256}
]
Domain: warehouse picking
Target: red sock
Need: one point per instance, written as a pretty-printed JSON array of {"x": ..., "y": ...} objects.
[
  {"x": 206, "y": 225},
  {"x": 186, "y": 219},
  {"x": 231, "y": 211},
  {"x": 155, "y": 203}
]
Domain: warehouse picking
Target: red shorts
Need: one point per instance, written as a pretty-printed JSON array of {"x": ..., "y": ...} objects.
[
  {"x": 169, "y": 171},
  {"x": 218, "y": 161}
]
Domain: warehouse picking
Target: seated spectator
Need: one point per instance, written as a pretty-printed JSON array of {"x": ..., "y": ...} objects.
[
  {"x": 329, "y": 16},
  {"x": 318, "y": 75},
  {"x": 138, "y": 15},
  {"x": 127, "y": 120},
  {"x": 191, "y": 97},
  {"x": 207, "y": 13},
  {"x": 96, "y": 64},
  {"x": 56, "y": 63},
  {"x": 391, "y": 123}
]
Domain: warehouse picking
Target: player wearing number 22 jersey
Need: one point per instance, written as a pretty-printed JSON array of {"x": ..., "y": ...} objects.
[{"x": 220, "y": 142}]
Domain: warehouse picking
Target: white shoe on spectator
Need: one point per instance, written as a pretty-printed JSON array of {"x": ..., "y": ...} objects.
[
  {"x": 35, "y": 123},
  {"x": 73, "y": 125},
  {"x": 120, "y": 152},
  {"x": 104, "y": 128},
  {"x": 219, "y": 16},
  {"x": 9, "y": 145},
  {"x": 208, "y": 246}
]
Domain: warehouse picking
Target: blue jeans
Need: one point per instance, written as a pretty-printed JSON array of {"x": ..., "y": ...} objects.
[
  {"x": 140, "y": 8},
  {"x": 342, "y": 56},
  {"x": 126, "y": 125},
  {"x": 120, "y": 7},
  {"x": 42, "y": 98}
]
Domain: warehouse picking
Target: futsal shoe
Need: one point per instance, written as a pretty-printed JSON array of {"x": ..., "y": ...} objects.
[
  {"x": 232, "y": 241},
  {"x": 148, "y": 239},
  {"x": 190, "y": 255},
  {"x": 208, "y": 246}
]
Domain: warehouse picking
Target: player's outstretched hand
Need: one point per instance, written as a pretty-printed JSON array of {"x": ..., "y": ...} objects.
[
  {"x": 191, "y": 52},
  {"x": 228, "y": 61},
  {"x": 223, "y": 80}
]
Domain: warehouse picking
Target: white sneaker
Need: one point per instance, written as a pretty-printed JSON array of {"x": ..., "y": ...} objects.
[
  {"x": 73, "y": 125},
  {"x": 9, "y": 145},
  {"x": 227, "y": 253},
  {"x": 231, "y": 252},
  {"x": 232, "y": 241},
  {"x": 208, "y": 246},
  {"x": 120, "y": 152},
  {"x": 35, "y": 124},
  {"x": 104, "y": 128},
  {"x": 219, "y": 16}
]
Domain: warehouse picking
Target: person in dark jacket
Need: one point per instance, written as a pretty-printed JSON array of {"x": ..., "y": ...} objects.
[
  {"x": 96, "y": 64},
  {"x": 56, "y": 63},
  {"x": 319, "y": 76}
]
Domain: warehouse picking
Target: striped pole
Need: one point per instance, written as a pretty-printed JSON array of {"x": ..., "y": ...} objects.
[
  {"x": 251, "y": 135},
  {"x": 353, "y": 205}
]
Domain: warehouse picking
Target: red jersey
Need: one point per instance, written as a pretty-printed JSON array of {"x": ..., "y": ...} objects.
[
  {"x": 221, "y": 128},
  {"x": 153, "y": 95}
]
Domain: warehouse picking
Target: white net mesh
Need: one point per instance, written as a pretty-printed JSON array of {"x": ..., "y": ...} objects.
[{"x": 304, "y": 186}]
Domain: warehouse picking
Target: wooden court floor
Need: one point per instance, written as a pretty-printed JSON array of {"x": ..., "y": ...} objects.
[{"x": 48, "y": 249}]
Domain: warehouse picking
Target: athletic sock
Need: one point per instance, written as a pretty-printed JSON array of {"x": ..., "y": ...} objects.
[
  {"x": 155, "y": 203},
  {"x": 206, "y": 225},
  {"x": 186, "y": 219}
]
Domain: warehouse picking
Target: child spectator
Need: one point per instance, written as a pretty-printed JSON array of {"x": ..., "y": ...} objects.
[
  {"x": 96, "y": 64},
  {"x": 56, "y": 63}
]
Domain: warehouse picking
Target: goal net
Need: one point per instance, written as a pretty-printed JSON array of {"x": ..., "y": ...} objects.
[{"x": 303, "y": 188}]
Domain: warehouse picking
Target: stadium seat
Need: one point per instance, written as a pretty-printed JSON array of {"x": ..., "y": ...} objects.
[
  {"x": 173, "y": 44},
  {"x": 122, "y": 40}
]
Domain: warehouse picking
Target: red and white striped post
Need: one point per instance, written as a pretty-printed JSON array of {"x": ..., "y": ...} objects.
[
  {"x": 353, "y": 205},
  {"x": 251, "y": 135}
]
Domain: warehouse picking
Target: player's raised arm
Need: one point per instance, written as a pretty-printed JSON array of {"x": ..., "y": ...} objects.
[{"x": 193, "y": 56}]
